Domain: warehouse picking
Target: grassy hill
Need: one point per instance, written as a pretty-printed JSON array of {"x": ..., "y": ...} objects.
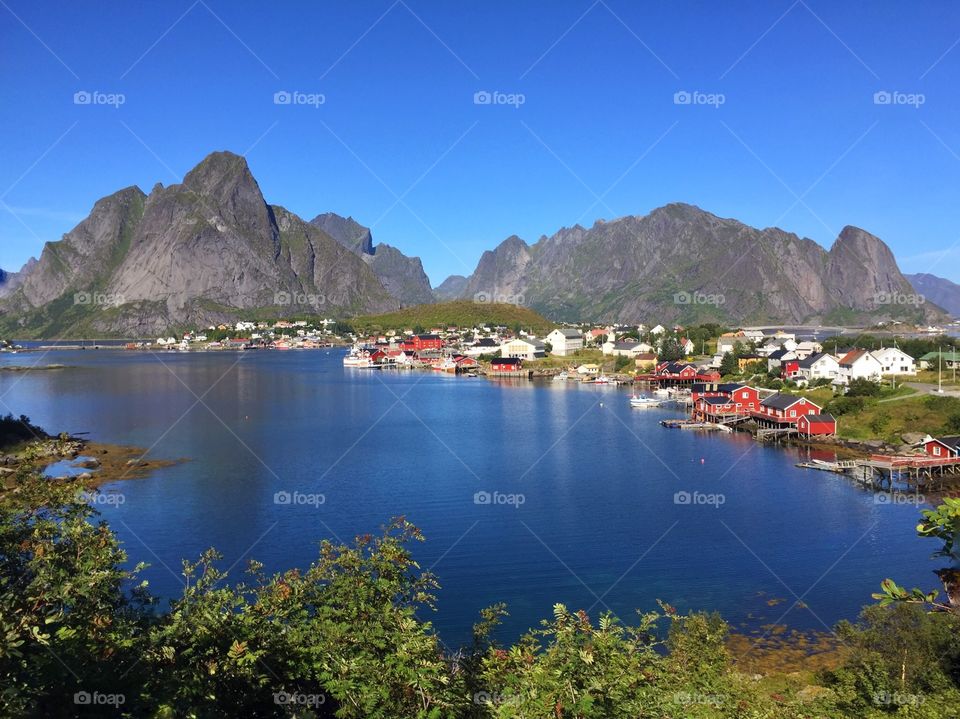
[{"x": 460, "y": 313}]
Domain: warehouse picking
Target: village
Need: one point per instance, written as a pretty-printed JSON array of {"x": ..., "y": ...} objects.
[{"x": 773, "y": 384}]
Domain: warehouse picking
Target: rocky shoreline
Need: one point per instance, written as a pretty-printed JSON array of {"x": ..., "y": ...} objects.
[{"x": 89, "y": 463}]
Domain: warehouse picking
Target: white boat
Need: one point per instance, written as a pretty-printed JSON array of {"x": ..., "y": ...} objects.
[
  {"x": 602, "y": 379},
  {"x": 561, "y": 376},
  {"x": 643, "y": 401},
  {"x": 358, "y": 358},
  {"x": 662, "y": 392}
]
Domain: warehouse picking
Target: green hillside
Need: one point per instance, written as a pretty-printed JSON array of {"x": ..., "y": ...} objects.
[{"x": 460, "y": 313}]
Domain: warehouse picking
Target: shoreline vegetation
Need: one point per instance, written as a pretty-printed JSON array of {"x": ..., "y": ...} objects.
[
  {"x": 26, "y": 448},
  {"x": 346, "y": 637}
]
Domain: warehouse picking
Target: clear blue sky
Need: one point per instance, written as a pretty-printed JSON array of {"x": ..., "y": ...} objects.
[{"x": 599, "y": 119}]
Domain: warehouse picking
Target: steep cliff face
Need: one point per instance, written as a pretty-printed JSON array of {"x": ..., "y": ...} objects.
[
  {"x": 10, "y": 281},
  {"x": 938, "y": 290},
  {"x": 402, "y": 276},
  {"x": 500, "y": 274},
  {"x": 204, "y": 251},
  {"x": 682, "y": 263}
]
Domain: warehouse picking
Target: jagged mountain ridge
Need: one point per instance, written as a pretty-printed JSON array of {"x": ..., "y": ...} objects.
[
  {"x": 9, "y": 281},
  {"x": 682, "y": 263},
  {"x": 201, "y": 252},
  {"x": 938, "y": 290},
  {"x": 402, "y": 276}
]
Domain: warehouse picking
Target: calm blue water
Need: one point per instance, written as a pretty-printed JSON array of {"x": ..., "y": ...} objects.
[{"x": 598, "y": 527}]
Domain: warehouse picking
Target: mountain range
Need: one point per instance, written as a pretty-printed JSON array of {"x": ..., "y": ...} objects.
[
  {"x": 938, "y": 290},
  {"x": 211, "y": 249},
  {"x": 681, "y": 263}
]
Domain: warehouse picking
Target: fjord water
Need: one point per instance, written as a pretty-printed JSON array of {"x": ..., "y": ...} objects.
[{"x": 599, "y": 526}]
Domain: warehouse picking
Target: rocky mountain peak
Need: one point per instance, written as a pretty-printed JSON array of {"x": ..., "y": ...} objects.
[{"x": 347, "y": 231}]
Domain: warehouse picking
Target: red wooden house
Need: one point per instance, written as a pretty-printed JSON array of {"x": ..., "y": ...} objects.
[
  {"x": 784, "y": 409},
  {"x": 944, "y": 447},
  {"x": 816, "y": 424},
  {"x": 506, "y": 364},
  {"x": 789, "y": 368},
  {"x": 427, "y": 342}
]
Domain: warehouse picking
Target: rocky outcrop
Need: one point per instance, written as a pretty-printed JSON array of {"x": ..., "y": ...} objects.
[
  {"x": 9, "y": 281},
  {"x": 680, "y": 263},
  {"x": 402, "y": 276},
  {"x": 202, "y": 252}
]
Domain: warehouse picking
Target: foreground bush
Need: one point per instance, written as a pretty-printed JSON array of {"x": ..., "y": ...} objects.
[{"x": 80, "y": 636}]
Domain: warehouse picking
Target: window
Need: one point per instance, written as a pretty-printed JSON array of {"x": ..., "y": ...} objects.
[
  {"x": 936, "y": 450},
  {"x": 793, "y": 413}
]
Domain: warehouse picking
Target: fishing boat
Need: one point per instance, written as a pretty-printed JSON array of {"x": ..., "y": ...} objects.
[
  {"x": 561, "y": 376},
  {"x": 358, "y": 358},
  {"x": 643, "y": 401},
  {"x": 602, "y": 379}
]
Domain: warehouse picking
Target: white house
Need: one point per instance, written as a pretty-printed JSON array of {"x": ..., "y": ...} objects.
[
  {"x": 859, "y": 364},
  {"x": 658, "y": 330},
  {"x": 686, "y": 345},
  {"x": 565, "y": 342},
  {"x": 818, "y": 366},
  {"x": 804, "y": 349},
  {"x": 626, "y": 349},
  {"x": 894, "y": 360},
  {"x": 524, "y": 349}
]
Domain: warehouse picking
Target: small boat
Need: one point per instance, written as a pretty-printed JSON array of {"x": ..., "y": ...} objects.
[
  {"x": 643, "y": 401},
  {"x": 561, "y": 376},
  {"x": 358, "y": 358},
  {"x": 662, "y": 392},
  {"x": 602, "y": 379}
]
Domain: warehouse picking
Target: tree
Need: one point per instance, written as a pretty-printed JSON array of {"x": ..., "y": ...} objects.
[
  {"x": 729, "y": 364},
  {"x": 670, "y": 350},
  {"x": 863, "y": 387},
  {"x": 943, "y": 523}
]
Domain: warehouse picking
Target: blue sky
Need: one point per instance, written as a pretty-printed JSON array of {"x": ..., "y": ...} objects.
[{"x": 784, "y": 129}]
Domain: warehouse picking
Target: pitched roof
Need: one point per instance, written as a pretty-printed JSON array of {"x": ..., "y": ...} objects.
[
  {"x": 952, "y": 441},
  {"x": 822, "y": 418},
  {"x": 812, "y": 360},
  {"x": 777, "y": 354},
  {"x": 506, "y": 360},
  {"x": 850, "y": 357},
  {"x": 781, "y": 401},
  {"x": 570, "y": 334},
  {"x": 715, "y": 400}
]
